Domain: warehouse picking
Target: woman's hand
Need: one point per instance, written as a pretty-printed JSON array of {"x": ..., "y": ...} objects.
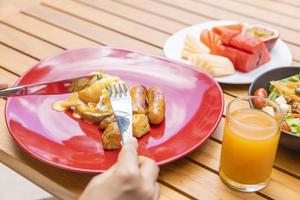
[{"x": 132, "y": 177}]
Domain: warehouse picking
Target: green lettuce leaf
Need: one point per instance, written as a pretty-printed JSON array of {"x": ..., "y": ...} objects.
[
  {"x": 294, "y": 78},
  {"x": 294, "y": 124}
]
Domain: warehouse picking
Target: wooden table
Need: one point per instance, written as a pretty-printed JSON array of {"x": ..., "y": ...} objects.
[{"x": 33, "y": 30}]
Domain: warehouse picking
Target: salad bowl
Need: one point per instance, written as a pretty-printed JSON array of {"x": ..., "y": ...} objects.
[{"x": 288, "y": 139}]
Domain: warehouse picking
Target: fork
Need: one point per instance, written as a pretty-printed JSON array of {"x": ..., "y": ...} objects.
[{"x": 121, "y": 104}]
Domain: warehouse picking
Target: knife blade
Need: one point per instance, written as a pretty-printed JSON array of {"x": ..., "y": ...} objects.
[{"x": 50, "y": 88}]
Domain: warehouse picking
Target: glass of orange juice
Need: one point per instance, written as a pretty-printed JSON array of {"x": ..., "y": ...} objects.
[{"x": 251, "y": 135}]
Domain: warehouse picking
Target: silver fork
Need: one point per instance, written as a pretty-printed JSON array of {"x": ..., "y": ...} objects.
[{"x": 121, "y": 104}]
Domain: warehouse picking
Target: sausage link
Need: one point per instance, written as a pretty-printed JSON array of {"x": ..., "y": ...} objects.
[
  {"x": 156, "y": 105},
  {"x": 138, "y": 95}
]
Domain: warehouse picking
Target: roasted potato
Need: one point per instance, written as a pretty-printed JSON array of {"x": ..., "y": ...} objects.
[
  {"x": 106, "y": 121},
  {"x": 140, "y": 125},
  {"x": 111, "y": 137}
]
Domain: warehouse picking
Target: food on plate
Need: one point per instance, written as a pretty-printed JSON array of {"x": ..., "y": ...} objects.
[
  {"x": 106, "y": 121},
  {"x": 215, "y": 65},
  {"x": 260, "y": 92},
  {"x": 286, "y": 94},
  {"x": 140, "y": 125},
  {"x": 156, "y": 105},
  {"x": 138, "y": 95},
  {"x": 111, "y": 137},
  {"x": 234, "y": 27},
  {"x": 210, "y": 39},
  {"x": 268, "y": 35},
  {"x": 247, "y": 53},
  {"x": 246, "y": 46},
  {"x": 92, "y": 104},
  {"x": 192, "y": 46}
]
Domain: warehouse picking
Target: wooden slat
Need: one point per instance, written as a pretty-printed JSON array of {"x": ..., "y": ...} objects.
[
  {"x": 163, "y": 11},
  {"x": 14, "y": 60},
  {"x": 112, "y": 22},
  {"x": 253, "y": 12},
  {"x": 26, "y": 43},
  {"x": 167, "y": 193},
  {"x": 135, "y": 15},
  {"x": 211, "y": 10},
  {"x": 200, "y": 182},
  {"x": 40, "y": 29},
  {"x": 11, "y": 7},
  {"x": 280, "y": 8},
  {"x": 290, "y": 2},
  {"x": 88, "y": 30}
]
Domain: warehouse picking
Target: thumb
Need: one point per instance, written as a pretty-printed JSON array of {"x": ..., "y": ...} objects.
[{"x": 128, "y": 155}]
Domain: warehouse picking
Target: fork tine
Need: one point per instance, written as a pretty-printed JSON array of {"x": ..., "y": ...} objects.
[
  {"x": 125, "y": 89},
  {"x": 109, "y": 88},
  {"x": 116, "y": 92},
  {"x": 121, "y": 91}
]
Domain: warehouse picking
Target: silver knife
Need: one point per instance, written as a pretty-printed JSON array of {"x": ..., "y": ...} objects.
[{"x": 50, "y": 88}]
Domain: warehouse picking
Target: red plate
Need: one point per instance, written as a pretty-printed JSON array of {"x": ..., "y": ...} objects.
[{"x": 194, "y": 106}]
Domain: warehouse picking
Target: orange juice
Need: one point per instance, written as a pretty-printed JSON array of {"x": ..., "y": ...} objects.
[{"x": 249, "y": 146}]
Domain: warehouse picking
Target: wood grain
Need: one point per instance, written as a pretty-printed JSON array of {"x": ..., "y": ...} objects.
[
  {"x": 26, "y": 43},
  {"x": 112, "y": 22},
  {"x": 41, "y": 30},
  {"x": 88, "y": 30},
  {"x": 135, "y": 15},
  {"x": 277, "y": 7}
]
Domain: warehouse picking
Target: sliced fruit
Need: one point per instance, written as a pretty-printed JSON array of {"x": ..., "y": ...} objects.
[
  {"x": 210, "y": 39},
  {"x": 192, "y": 46},
  {"x": 235, "y": 27},
  {"x": 268, "y": 35},
  {"x": 214, "y": 65},
  {"x": 227, "y": 36}
]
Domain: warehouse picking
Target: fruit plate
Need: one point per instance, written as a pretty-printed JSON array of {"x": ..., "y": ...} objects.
[
  {"x": 73, "y": 144},
  {"x": 280, "y": 54}
]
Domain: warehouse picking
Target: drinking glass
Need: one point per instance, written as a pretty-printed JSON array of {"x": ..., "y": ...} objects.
[{"x": 251, "y": 135}]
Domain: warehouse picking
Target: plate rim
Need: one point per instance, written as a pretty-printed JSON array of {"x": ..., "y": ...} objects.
[{"x": 93, "y": 171}]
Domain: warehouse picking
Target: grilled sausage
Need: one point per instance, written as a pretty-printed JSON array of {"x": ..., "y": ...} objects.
[
  {"x": 156, "y": 105},
  {"x": 138, "y": 95}
]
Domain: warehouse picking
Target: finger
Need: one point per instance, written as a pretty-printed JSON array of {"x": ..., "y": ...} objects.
[
  {"x": 128, "y": 157},
  {"x": 3, "y": 85},
  {"x": 156, "y": 192},
  {"x": 148, "y": 168}
]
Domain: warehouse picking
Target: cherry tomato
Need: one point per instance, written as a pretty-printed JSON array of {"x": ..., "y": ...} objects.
[
  {"x": 260, "y": 92},
  {"x": 285, "y": 127}
]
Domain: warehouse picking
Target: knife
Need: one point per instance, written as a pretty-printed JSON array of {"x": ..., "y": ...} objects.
[{"x": 50, "y": 88}]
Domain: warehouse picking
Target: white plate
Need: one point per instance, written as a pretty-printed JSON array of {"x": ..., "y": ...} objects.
[{"x": 280, "y": 54}]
